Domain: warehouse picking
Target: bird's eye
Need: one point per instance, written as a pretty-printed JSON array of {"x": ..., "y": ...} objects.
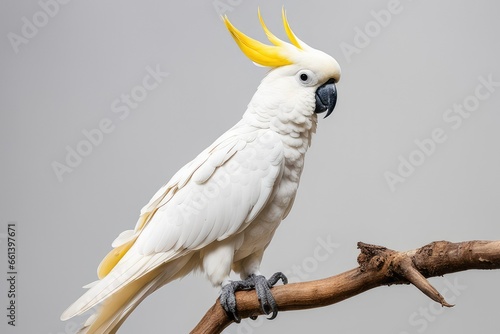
[{"x": 306, "y": 78}]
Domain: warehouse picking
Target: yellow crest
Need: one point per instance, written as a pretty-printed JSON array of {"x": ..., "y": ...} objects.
[{"x": 278, "y": 54}]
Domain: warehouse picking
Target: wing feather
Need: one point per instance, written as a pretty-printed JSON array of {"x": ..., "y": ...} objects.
[
  {"x": 211, "y": 198},
  {"x": 224, "y": 194}
]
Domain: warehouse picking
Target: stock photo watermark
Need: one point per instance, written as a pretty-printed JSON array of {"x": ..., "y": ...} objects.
[
  {"x": 321, "y": 253},
  {"x": 121, "y": 107},
  {"x": 31, "y": 26},
  {"x": 422, "y": 318},
  {"x": 453, "y": 117},
  {"x": 363, "y": 36},
  {"x": 11, "y": 273},
  {"x": 225, "y": 6}
]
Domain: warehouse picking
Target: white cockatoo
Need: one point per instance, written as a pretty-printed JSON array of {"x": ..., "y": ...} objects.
[{"x": 219, "y": 212}]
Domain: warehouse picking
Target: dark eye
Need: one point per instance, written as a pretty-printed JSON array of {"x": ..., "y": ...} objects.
[{"x": 306, "y": 78}]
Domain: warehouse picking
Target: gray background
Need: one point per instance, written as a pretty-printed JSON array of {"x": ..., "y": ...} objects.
[{"x": 394, "y": 91}]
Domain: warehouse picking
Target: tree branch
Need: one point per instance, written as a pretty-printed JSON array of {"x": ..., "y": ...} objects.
[{"x": 378, "y": 266}]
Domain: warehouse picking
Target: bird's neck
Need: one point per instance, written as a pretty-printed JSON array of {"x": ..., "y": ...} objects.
[
  {"x": 290, "y": 117},
  {"x": 291, "y": 123}
]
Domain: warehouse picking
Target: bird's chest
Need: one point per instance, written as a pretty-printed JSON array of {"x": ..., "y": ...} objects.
[{"x": 260, "y": 232}]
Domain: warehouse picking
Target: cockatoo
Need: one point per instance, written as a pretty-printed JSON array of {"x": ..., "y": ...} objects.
[{"x": 219, "y": 212}]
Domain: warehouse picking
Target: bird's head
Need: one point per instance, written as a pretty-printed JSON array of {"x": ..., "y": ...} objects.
[{"x": 299, "y": 73}]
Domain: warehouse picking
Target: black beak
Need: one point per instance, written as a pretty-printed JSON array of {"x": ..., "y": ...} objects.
[{"x": 326, "y": 98}]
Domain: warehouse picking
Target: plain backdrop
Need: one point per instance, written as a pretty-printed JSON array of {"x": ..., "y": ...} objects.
[{"x": 398, "y": 83}]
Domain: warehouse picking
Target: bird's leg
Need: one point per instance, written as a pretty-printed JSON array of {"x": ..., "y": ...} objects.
[
  {"x": 263, "y": 288},
  {"x": 228, "y": 299}
]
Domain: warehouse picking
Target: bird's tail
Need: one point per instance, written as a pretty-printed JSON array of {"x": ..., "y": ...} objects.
[{"x": 113, "y": 311}]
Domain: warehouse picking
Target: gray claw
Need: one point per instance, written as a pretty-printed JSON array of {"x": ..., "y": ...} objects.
[
  {"x": 262, "y": 287},
  {"x": 276, "y": 277},
  {"x": 228, "y": 302},
  {"x": 228, "y": 299}
]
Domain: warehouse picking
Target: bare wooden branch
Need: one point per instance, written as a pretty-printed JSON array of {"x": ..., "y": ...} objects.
[{"x": 378, "y": 266}]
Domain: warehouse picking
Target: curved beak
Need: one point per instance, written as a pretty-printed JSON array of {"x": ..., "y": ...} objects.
[{"x": 326, "y": 98}]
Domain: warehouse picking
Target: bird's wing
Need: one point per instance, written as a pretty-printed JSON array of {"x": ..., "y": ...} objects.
[
  {"x": 221, "y": 197},
  {"x": 215, "y": 196}
]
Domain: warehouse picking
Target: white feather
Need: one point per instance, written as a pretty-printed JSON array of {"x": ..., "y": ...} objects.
[
  {"x": 220, "y": 210},
  {"x": 123, "y": 237},
  {"x": 200, "y": 212}
]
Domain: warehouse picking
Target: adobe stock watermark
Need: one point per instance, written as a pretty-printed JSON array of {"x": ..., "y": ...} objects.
[
  {"x": 31, "y": 26},
  {"x": 363, "y": 36},
  {"x": 422, "y": 318},
  {"x": 224, "y": 6},
  {"x": 324, "y": 249},
  {"x": 121, "y": 107},
  {"x": 453, "y": 118}
]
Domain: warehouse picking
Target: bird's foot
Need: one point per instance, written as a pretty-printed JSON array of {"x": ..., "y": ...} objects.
[
  {"x": 263, "y": 288},
  {"x": 228, "y": 299}
]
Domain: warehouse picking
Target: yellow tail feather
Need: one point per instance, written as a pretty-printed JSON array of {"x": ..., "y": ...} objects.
[{"x": 110, "y": 260}]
